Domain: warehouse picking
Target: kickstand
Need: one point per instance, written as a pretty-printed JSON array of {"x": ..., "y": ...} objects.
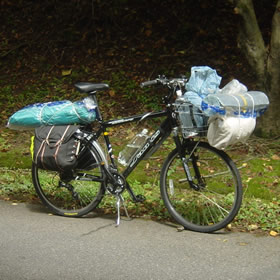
[{"x": 120, "y": 201}]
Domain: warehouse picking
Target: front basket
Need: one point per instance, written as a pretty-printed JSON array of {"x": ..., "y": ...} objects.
[{"x": 192, "y": 121}]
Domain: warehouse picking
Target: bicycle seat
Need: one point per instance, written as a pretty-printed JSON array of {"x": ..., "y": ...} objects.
[{"x": 90, "y": 87}]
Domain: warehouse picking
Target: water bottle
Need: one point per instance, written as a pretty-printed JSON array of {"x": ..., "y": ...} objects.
[{"x": 133, "y": 147}]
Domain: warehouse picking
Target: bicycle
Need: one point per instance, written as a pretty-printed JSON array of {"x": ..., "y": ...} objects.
[{"x": 200, "y": 185}]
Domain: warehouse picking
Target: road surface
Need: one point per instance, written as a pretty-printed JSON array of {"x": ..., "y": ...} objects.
[{"x": 36, "y": 245}]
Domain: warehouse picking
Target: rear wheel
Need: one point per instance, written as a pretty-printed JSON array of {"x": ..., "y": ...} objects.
[
  {"x": 70, "y": 194},
  {"x": 215, "y": 197}
]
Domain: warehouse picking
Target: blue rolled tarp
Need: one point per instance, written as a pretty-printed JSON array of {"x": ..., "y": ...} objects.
[{"x": 53, "y": 113}]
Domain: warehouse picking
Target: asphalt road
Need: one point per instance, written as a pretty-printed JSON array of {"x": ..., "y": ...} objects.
[{"x": 36, "y": 245}]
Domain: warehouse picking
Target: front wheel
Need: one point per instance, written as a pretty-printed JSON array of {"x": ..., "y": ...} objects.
[{"x": 212, "y": 199}]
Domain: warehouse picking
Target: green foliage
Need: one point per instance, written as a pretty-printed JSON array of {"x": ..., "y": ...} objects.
[
  {"x": 260, "y": 214},
  {"x": 16, "y": 184},
  {"x": 260, "y": 210},
  {"x": 14, "y": 149}
]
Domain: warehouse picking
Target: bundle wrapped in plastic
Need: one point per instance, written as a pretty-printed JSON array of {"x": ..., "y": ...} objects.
[
  {"x": 53, "y": 113},
  {"x": 235, "y": 99},
  {"x": 233, "y": 114}
]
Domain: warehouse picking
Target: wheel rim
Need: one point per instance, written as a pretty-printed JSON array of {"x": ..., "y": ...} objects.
[
  {"x": 215, "y": 204},
  {"x": 71, "y": 197}
]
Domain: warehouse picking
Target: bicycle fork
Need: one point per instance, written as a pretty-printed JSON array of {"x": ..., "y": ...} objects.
[
  {"x": 188, "y": 174},
  {"x": 186, "y": 161}
]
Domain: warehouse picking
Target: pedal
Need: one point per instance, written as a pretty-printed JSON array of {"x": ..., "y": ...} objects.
[{"x": 140, "y": 198}]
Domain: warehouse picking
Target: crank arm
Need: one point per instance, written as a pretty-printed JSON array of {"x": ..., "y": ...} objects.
[{"x": 112, "y": 180}]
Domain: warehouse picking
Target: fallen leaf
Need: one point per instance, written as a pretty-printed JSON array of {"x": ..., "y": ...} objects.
[
  {"x": 180, "y": 229},
  {"x": 270, "y": 168},
  {"x": 253, "y": 227},
  {"x": 249, "y": 179},
  {"x": 275, "y": 182},
  {"x": 14, "y": 203},
  {"x": 273, "y": 233},
  {"x": 243, "y": 243},
  {"x": 112, "y": 93},
  {"x": 229, "y": 227},
  {"x": 275, "y": 157},
  {"x": 66, "y": 72}
]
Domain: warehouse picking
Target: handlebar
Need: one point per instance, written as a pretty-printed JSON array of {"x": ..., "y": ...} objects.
[
  {"x": 149, "y": 83},
  {"x": 162, "y": 80},
  {"x": 173, "y": 85}
]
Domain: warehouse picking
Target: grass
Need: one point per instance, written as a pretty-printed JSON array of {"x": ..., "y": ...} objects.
[{"x": 258, "y": 162}]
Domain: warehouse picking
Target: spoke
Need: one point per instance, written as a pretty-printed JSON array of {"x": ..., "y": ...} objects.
[
  {"x": 209, "y": 176},
  {"x": 215, "y": 203},
  {"x": 216, "y": 174}
]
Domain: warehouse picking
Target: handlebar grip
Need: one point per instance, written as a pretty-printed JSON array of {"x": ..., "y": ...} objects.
[{"x": 149, "y": 83}]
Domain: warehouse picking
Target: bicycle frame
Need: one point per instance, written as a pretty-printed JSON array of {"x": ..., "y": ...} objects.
[
  {"x": 168, "y": 125},
  {"x": 152, "y": 143}
]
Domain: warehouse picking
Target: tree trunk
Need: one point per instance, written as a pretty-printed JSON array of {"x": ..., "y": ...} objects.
[
  {"x": 273, "y": 70},
  {"x": 265, "y": 62}
]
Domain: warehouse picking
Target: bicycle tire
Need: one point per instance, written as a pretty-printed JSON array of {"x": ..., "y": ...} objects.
[
  {"x": 75, "y": 201},
  {"x": 219, "y": 199}
]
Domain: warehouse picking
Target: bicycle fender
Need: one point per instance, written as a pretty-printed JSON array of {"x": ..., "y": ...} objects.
[{"x": 100, "y": 151}]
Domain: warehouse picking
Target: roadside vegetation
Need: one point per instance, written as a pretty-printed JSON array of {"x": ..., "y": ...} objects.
[{"x": 258, "y": 162}]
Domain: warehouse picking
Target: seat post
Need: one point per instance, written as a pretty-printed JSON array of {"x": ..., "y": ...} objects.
[{"x": 93, "y": 96}]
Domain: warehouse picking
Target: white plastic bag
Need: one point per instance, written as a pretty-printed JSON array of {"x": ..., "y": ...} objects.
[
  {"x": 233, "y": 87},
  {"x": 227, "y": 130}
]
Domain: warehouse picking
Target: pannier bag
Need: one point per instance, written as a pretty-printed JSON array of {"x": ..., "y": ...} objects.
[
  {"x": 53, "y": 113},
  {"x": 55, "y": 147}
]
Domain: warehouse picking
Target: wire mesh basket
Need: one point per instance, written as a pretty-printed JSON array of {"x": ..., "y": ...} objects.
[{"x": 192, "y": 121}]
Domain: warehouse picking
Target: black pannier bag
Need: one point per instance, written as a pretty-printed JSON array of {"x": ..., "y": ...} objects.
[
  {"x": 56, "y": 148},
  {"x": 86, "y": 159}
]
